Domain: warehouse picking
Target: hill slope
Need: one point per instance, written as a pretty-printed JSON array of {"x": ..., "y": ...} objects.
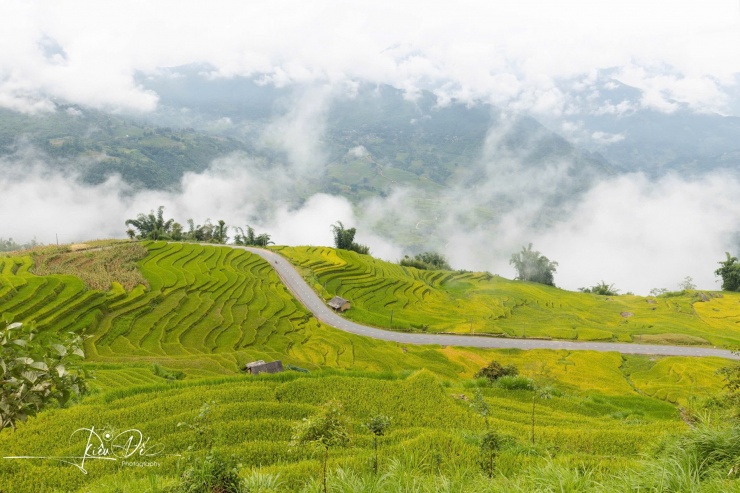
[
  {"x": 208, "y": 309},
  {"x": 465, "y": 302}
]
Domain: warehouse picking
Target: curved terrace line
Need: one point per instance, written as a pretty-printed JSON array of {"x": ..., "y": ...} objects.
[{"x": 303, "y": 292}]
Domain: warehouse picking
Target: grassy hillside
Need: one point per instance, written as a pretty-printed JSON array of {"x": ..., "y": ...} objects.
[
  {"x": 253, "y": 419},
  {"x": 464, "y": 302},
  {"x": 206, "y": 309}
]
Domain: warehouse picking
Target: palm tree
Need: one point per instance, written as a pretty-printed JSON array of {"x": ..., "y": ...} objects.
[
  {"x": 532, "y": 266},
  {"x": 263, "y": 240},
  {"x": 152, "y": 226},
  {"x": 220, "y": 233}
]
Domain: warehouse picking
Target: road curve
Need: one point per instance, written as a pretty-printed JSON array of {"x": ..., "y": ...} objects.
[{"x": 295, "y": 283}]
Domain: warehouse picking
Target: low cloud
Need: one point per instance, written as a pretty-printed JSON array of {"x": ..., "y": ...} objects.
[{"x": 88, "y": 54}]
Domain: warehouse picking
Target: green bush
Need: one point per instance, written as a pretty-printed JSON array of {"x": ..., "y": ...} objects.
[
  {"x": 495, "y": 370},
  {"x": 511, "y": 382}
]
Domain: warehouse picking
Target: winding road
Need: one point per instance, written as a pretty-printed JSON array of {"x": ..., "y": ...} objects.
[{"x": 295, "y": 283}]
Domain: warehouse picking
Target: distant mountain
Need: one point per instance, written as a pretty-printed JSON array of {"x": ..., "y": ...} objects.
[
  {"x": 635, "y": 138},
  {"x": 375, "y": 139},
  {"x": 97, "y": 145}
]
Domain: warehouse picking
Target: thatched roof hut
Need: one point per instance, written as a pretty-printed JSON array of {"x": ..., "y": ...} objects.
[
  {"x": 256, "y": 367},
  {"x": 338, "y": 304}
]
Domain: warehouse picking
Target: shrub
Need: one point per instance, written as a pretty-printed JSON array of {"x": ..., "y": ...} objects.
[
  {"x": 514, "y": 382},
  {"x": 495, "y": 370},
  {"x": 214, "y": 473}
]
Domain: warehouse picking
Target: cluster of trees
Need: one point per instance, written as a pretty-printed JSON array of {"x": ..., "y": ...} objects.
[
  {"x": 602, "y": 288},
  {"x": 10, "y": 245},
  {"x": 730, "y": 273},
  {"x": 154, "y": 226},
  {"x": 251, "y": 238},
  {"x": 344, "y": 238},
  {"x": 532, "y": 266},
  {"x": 426, "y": 261}
]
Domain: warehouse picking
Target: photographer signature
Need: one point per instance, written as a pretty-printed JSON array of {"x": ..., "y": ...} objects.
[{"x": 106, "y": 445}]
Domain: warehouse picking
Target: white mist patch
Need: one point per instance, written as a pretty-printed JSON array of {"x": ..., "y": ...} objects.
[
  {"x": 640, "y": 235},
  {"x": 41, "y": 203}
]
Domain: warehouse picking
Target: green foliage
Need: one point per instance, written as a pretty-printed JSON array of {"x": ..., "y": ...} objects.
[
  {"x": 214, "y": 473},
  {"x": 345, "y": 239},
  {"x": 37, "y": 369},
  {"x": 731, "y": 376},
  {"x": 202, "y": 426},
  {"x": 515, "y": 383},
  {"x": 730, "y": 273},
  {"x": 491, "y": 443},
  {"x": 531, "y": 266},
  {"x": 9, "y": 245},
  {"x": 687, "y": 284},
  {"x": 330, "y": 428},
  {"x": 495, "y": 370},
  {"x": 151, "y": 226},
  {"x": 251, "y": 238},
  {"x": 377, "y": 425},
  {"x": 602, "y": 289},
  {"x": 426, "y": 261}
]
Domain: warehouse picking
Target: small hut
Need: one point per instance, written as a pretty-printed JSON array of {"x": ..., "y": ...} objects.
[
  {"x": 339, "y": 304},
  {"x": 256, "y": 367}
]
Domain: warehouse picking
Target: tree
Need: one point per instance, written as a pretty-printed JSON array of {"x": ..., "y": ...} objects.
[
  {"x": 377, "y": 425},
  {"x": 495, "y": 370},
  {"x": 151, "y": 226},
  {"x": 328, "y": 429},
  {"x": 490, "y": 441},
  {"x": 731, "y": 375},
  {"x": 251, "y": 239},
  {"x": 345, "y": 239},
  {"x": 539, "y": 393},
  {"x": 177, "y": 234},
  {"x": 219, "y": 235},
  {"x": 532, "y": 266},
  {"x": 36, "y": 370},
  {"x": 730, "y": 273},
  {"x": 490, "y": 444},
  {"x": 602, "y": 289},
  {"x": 427, "y": 260},
  {"x": 245, "y": 239},
  {"x": 687, "y": 284}
]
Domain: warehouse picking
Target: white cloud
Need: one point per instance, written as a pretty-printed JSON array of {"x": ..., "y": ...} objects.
[
  {"x": 605, "y": 138},
  {"x": 640, "y": 234},
  {"x": 500, "y": 52}
]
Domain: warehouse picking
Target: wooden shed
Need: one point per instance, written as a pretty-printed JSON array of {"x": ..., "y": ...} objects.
[
  {"x": 256, "y": 367},
  {"x": 338, "y": 304}
]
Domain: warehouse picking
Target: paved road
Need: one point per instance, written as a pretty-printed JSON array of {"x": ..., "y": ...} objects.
[{"x": 316, "y": 305}]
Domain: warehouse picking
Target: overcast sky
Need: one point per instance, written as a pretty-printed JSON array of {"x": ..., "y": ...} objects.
[{"x": 507, "y": 52}]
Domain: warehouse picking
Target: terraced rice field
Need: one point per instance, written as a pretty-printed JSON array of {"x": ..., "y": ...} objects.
[
  {"x": 465, "y": 302},
  {"x": 207, "y": 310},
  {"x": 253, "y": 420}
]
